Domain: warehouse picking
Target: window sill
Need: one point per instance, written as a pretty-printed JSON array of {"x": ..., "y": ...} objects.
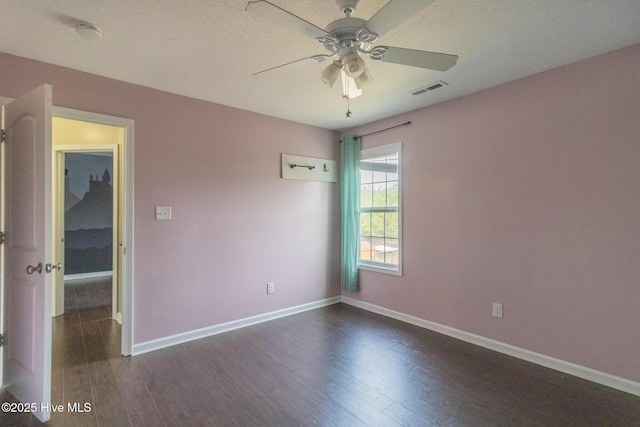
[{"x": 381, "y": 269}]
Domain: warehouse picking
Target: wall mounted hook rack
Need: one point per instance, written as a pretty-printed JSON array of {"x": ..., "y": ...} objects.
[{"x": 308, "y": 168}]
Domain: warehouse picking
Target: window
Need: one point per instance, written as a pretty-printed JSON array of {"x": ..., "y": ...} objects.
[{"x": 380, "y": 246}]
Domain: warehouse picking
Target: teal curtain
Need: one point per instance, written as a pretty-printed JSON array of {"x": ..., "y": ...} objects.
[{"x": 350, "y": 178}]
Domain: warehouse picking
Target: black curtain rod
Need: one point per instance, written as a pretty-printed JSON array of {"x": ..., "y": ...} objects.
[{"x": 383, "y": 130}]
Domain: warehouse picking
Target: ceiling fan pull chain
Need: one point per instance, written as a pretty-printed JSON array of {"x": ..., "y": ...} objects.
[{"x": 348, "y": 96}]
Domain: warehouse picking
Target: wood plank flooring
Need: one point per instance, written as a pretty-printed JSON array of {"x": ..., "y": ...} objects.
[
  {"x": 334, "y": 366},
  {"x": 83, "y": 294}
]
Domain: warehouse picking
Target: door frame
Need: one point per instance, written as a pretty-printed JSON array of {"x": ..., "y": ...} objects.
[
  {"x": 126, "y": 252},
  {"x": 59, "y": 152},
  {"x": 3, "y": 102}
]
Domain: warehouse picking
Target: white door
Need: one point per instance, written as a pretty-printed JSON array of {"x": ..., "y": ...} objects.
[{"x": 27, "y": 303}]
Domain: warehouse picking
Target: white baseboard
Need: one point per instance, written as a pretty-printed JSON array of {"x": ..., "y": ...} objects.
[
  {"x": 599, "y": 377},
  {"x": 159, "y": 343},
  {"x": 603, "y": 378}
]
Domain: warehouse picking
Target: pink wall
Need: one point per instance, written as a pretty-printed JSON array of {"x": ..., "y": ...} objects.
[
  {"x": 527, "y": 194},
  {"x": 236, "y": 225}
]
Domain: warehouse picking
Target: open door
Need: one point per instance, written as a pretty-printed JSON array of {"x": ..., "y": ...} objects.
[{"x": 27, "y": 302}]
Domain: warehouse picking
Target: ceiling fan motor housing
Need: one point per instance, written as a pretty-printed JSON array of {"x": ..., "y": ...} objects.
[
  {"x": 345, "y": 32},
  {"x": 345, "y": 29}
]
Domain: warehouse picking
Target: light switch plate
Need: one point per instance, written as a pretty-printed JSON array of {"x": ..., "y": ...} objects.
[{"x": 163, "y": 213}]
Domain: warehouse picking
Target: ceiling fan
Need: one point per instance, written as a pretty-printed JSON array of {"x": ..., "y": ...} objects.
[{"x": 349, "y": 38}]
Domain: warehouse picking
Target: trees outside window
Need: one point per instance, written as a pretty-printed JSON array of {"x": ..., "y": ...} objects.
[{"x": 380, "y": 208}]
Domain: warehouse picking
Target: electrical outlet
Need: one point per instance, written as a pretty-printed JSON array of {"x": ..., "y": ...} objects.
[
  {"x": 270, "y": 288},
  {"x": 497, "y": 310}
]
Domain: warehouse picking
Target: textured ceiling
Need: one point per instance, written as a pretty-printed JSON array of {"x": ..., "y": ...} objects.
[{"x": 209, "y": 49}]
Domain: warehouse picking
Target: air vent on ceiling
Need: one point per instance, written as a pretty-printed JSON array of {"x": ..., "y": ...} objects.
[{"x": 429, "y": 88}]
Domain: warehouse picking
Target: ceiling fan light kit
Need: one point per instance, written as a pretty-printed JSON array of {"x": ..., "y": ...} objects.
[
  {"x": 363, "y": 79},
  {"x": 348, "y": 39},
  {"x": 330, "y": 74},
  {"x": 353, "y": 65}
]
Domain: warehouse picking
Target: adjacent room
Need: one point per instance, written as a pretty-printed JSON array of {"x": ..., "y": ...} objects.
[{"x": 358, "y": 213}]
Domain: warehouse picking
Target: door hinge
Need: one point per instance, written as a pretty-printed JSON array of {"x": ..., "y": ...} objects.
[
  {"x": 3, "y": 135},
  {"x": 2, "y": 237},
  {"x": 1, "y": 340}
]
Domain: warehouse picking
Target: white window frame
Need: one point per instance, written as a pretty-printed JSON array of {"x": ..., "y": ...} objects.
[{"x": 371, "y": 153}]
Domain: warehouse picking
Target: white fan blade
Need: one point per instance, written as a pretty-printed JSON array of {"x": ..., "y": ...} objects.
[
  {"x": 393, "y": 14},
  {"x": 297, "y": 61},
  {"x": 419, "y": 58},
  {"x": 284, "y": 18}
]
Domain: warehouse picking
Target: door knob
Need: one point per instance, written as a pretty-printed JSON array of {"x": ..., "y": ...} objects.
[
  {"x": 50, "y": 267},
  {"x": 31, "y": 269}
]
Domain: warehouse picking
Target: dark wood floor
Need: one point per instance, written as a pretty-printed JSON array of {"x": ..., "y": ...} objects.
[
  {"x": 83, "y": 294},
  {"x": 334, "y": 366}
]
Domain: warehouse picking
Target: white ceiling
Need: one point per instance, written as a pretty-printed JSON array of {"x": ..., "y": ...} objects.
[{"x": 209, "y": 49}]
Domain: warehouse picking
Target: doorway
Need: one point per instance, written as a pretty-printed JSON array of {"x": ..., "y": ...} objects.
[
  {"x": 87, "y": 206},
  {"x": 94, "y": 136},
  {"x": 26, "y": 294}
]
